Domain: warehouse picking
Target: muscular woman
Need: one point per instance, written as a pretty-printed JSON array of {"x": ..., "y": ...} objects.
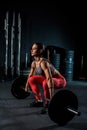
[{"x": 43, "y": 73}]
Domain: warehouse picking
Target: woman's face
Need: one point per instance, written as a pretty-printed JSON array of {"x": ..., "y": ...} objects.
[{"x": 34, "y": 50}]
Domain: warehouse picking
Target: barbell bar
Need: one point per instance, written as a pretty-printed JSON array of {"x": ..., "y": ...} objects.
[{"x": 62, "y": 107}]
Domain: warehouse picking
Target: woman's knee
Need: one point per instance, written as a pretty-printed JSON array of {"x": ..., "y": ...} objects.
[
  {"x": 64, "y": 83},
  {"x": 31, "y": 80}
]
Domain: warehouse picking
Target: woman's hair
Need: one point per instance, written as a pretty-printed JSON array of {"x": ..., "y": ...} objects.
[{"x": 40, "y": 45}]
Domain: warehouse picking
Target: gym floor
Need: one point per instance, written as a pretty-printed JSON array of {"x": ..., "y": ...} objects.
[{"x": 15, "y": 114}]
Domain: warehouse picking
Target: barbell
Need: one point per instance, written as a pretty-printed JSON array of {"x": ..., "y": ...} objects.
[{"x": 62, "y": 107}]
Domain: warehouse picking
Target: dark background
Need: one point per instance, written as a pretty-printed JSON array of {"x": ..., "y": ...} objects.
[
  {"x": 53, "y": 23},
  {"x": 49, "y": 22}
]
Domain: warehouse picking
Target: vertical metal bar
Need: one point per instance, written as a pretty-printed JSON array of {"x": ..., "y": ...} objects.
[
  {"x": 26, "y": 60},
  {"x": 12, "y": 45},
  {"x": 6, "y": 37},
  {"x": 19, "y": 44}
]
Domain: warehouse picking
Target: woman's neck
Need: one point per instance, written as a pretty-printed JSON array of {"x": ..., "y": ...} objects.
[{"x": 37, "y": 58}]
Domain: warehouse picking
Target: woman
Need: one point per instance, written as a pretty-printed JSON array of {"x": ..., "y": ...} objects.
[{"x": 44, "y": 73}]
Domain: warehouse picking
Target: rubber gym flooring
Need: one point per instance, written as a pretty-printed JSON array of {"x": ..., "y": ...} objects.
[{"x": 15, "y": 114}]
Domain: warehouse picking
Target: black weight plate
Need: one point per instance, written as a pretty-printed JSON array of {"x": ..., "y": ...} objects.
[
  {"x": 17, "y": 88},
  {"x": 57, "y": 109}
]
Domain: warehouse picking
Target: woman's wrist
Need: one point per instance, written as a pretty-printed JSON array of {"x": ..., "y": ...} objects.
[{"x": 50, "y": 87}]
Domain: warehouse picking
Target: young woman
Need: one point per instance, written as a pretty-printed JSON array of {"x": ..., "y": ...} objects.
[{"x": 44, "y": 73}]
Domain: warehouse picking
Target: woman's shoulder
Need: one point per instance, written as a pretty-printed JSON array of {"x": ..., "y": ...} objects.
[
  {"x": 44, "y": 60},
  {"x": 33, "y": 62}
]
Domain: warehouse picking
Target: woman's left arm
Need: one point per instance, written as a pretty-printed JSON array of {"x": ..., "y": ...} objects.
[{"x": 48, "y": 75}]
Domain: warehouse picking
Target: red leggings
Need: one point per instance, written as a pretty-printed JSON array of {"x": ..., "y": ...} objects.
[{"x": 34, "y": 82}]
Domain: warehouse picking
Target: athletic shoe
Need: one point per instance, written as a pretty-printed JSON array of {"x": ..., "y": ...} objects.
[{"x": 36, "y": 104}]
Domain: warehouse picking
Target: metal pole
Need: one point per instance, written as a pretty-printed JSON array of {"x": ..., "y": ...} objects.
[
  {"x": 19, "y": 44},
  {"x": 26, "y": 62},
  {"x": 6, "y": 37},
  {"x": 12, "y": 46}
]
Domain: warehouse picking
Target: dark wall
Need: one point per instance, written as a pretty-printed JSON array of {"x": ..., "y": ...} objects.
[
  {"x": 52, "y": 26},
  {"x": 50, "y": 23},
  {"x": 47, "y": 22}
]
